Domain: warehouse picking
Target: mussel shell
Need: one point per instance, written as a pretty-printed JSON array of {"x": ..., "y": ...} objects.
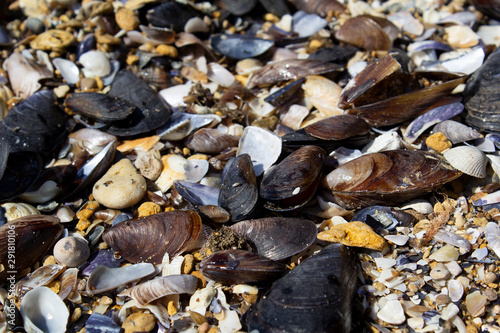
[
  {"x": 319, "y": 7},
  {"x": 210, "y": 140},
  {"x": 238, "y": 7},
  {"x": 33, "y": 235},
  {"x": 488, "y": 7},
  {"x": 387, "y": 177},
  {"x": 240, "y": 46},
  {"x": 316, "y": 296},
  {"x": 277, "y": 237},
  {"x": 413, "y": 100},
  {"x": 150, "y": 112},
  {"x": 292, "y": 183},
  {"x": 100, "y": 107},
  {"x": 330, "y": 133},
  {"x": 197, "y": 194},
  {"x": 239, "y": 192},
  {"x": 367, "y": 32},
  {"x": 147, "y": 239},
  {"x": 172, "y": 15},
  {"x": 20, "y": 172},
  {"x": 480, "y": 95},
  {"x": 238, "y": 266}
]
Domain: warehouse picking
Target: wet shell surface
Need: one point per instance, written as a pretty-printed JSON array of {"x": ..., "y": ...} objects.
[
  {"x": 147, "y": 239},
  {"x": 467, "y": 159},
  {"x": 456, "y": 132},
  {"x": 43, "y": 311}
]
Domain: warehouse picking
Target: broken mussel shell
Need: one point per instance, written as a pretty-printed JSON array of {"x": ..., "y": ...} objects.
[
  {"x": 383, "y": 95},
  {"x": 480, "y": 95},
  {"x": 239, "y": 192},
  {"x": 277, "y": 237},
  {"x": 292, "y": 183},
  {"x": 330, "y": 133},
  {"x": 240, "y": 46},
  {"x": 239, "y": 266},
  {"x": 387, "y": 177},
  {"x": 100, "y": 107},
  {"x": 34, "y": 236},
  {"x": 316, "y": 296},
  {"x": 147, "y": 239}
]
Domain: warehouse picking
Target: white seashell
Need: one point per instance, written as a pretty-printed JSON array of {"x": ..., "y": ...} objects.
[
  {"x": 48, "y": 191},
  {"x": 43, "y": 311},
  {"x": 24, "y": 74},
  {"x": 492, "y": 235},
  {"x": 476, "y": 303},
  {"x": 452, "y": 238},
  {"x": 446, "y": 253},
  {"x": 467, "y": 159},
  {"x": 15, "y": 210},
  {"x": 68, "y": 69},
  {"x": 407, "y": 22},
  {"x": 247, "y": 66},
  {"x": 480, "y": 253},
  {"x": 174, "y": 95},
  {"x": 294, "y": 116},
  {"x": 220, "y": 75},
  {"x": 115, "y": 67},
  {"x": 196, "y": 24},
  {"x": 263, "y": 146},
  {"x": 490, "y": 34},
  {"x": 484, "y": 144},
  {"x": 95, "y": 63},
  {"x": 202, "y": 298},
  {"x": 306, "y": 25},
  {"x": 420, "y": 205},
  {"x": 174, "y": 267},
  {"x": 195, "y": 170},
  {"x": 456, "y": 132},
  {"x": 323, "y": 94},
  {"x": 260, "y": 107},
  {"x": 157, "y": 309},
  {"x": 392, "y": 312},
  {"x": 388, "y": 141},
  {"x": 466, "y": 63},
  {"x": 65, "y": 214},
  {"x": 173, "y": 169},
  {"x": 245, "y": 289},
  {"x": 449, "y": 311},
  {"x": 494, "y": 162},
  {"x": 104, "y": 279}
]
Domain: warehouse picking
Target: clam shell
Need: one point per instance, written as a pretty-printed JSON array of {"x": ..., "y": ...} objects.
[
  {"x": 456, "y": 132},
  {"x": 149, "y": 291},
  {"x": 15, "y": 210},
  {"x": 147, "y": 239},
  {"x": 278, "y": 237},
  {"x": 238, "y": 266},
  {"x": 323, "y": 94},
  {"x": 467, "y": 159},
  {"x": 387, "y": 177},
  {"x": 44, "y": 312}
]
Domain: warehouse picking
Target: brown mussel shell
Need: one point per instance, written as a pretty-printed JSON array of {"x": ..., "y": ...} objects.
[
  {"x": 368, "y": 32},
  {"x": 277, "y": 237},
  {"x": 319, "y": 7},
  {"x": 402, "y": 96},
  {"x": 316, "y": 296},
  {"x": 100, "y": 107},
  {"x": 481, "y": 95},
  {"x": 292, "y": 183},
  {"x": 239, "y": 192},
  {"x": 211, "y": 141},
  {"x": 238, "y": 266},
  {"x": 387, "y": 178},
  {"x": 32, "y": 237},
  {"x": 330, "y": 133},
  {"x": 147, "y": 239},
  {"x": 289, "y": 69}
]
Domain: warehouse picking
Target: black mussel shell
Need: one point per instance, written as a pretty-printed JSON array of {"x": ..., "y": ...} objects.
[
  {"x": 147, "y": 239},
  {"x": 173, "y": 15},
  {"x": 239, "y": 192},
  {"x": 316, "y": 296},
  {"x": 20, "y": 172},
  {"x": 321, "y": 7},
  {"x": 240, "y": 46},
  {"x": 277, "y": 237},
  {"x": 211, "y": 141},
  {"x": 276, "y": 7},
  {"x": 238, "y": 266},
  {"x": 339, "y": 54},
  {"x": 150, "y": 113},
  {"x": 292, "y": 183},
  {"x": 481, "y": 95},
  {"x": 100, "y": 107},
  {"x": 488, "y": 7},
  {"x": 330, "y": 133},
  {"x": 387, "y": 178},
  {"x": 238, "y": 7},
  {"x": 32, "y": 237},
  {"x": 285, "y": 94}
]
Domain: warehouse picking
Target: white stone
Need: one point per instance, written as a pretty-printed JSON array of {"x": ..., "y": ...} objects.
[
  {"x": 454, "y": 268},
  {"x": 385, "y": 262},
  {"x": 449, "y": 311},
  {"x": 446, "y": 253},
  {"x": 392, "y": 313}
]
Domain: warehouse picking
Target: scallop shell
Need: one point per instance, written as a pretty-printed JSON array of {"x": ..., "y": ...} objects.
[{"x": 467, "y": 159}]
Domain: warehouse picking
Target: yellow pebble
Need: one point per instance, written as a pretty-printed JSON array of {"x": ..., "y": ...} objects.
[
  {"x": 55, "y": 286},
  {"x": 314, "y": 45},
  {"x": 132, "y": 59},
  {"x": 201, "y": 277},
  {"x": 187, "y": 264},
  {"x": 105, "y": 300},
  {"x": 354, "y": 233},
  {"x": 216, "y": 14},
  {"x": 213, "y": 329},
  {"x": 186, "y": 151},
  {"x": 169, "y": 209},
  {"x": 241, "y": 79},
  {"x": 82, "y": 225},
  {"x": 148, "y": 208},
  {"x": 171, "y": 308},
  {"x": 271, "y": 18},
  {"x": 50, "y": 260},
  {"x": 100, "y": 84},
  {"x": 438, "y": 142},
  {"x": 198, "y": 157},
  {"x": 88, "y": 210},
  {"x": 167, "y": 50},
  {"x": 76, "y": 315}
]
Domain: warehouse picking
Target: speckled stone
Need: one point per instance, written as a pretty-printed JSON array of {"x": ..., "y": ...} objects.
[
  {"x": 71, "y": 251},
  {"x": 121, "y": 187},
  {"x": 440, "y": 272},
  {"x": 139, "y": 322},
  {"x": 53, "y": 40}
]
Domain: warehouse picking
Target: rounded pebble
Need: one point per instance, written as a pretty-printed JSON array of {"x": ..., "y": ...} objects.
[
  {"x": 126, "y": 19},
  {"x": 440, "y": 272},
  {"x": 121, "y": 186},
  {"x": 139, "y": 322},
  {"x": 71, "y": 251}
]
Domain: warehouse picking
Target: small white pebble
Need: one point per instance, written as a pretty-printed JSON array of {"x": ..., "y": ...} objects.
[{"x": 392, "y": 313}]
